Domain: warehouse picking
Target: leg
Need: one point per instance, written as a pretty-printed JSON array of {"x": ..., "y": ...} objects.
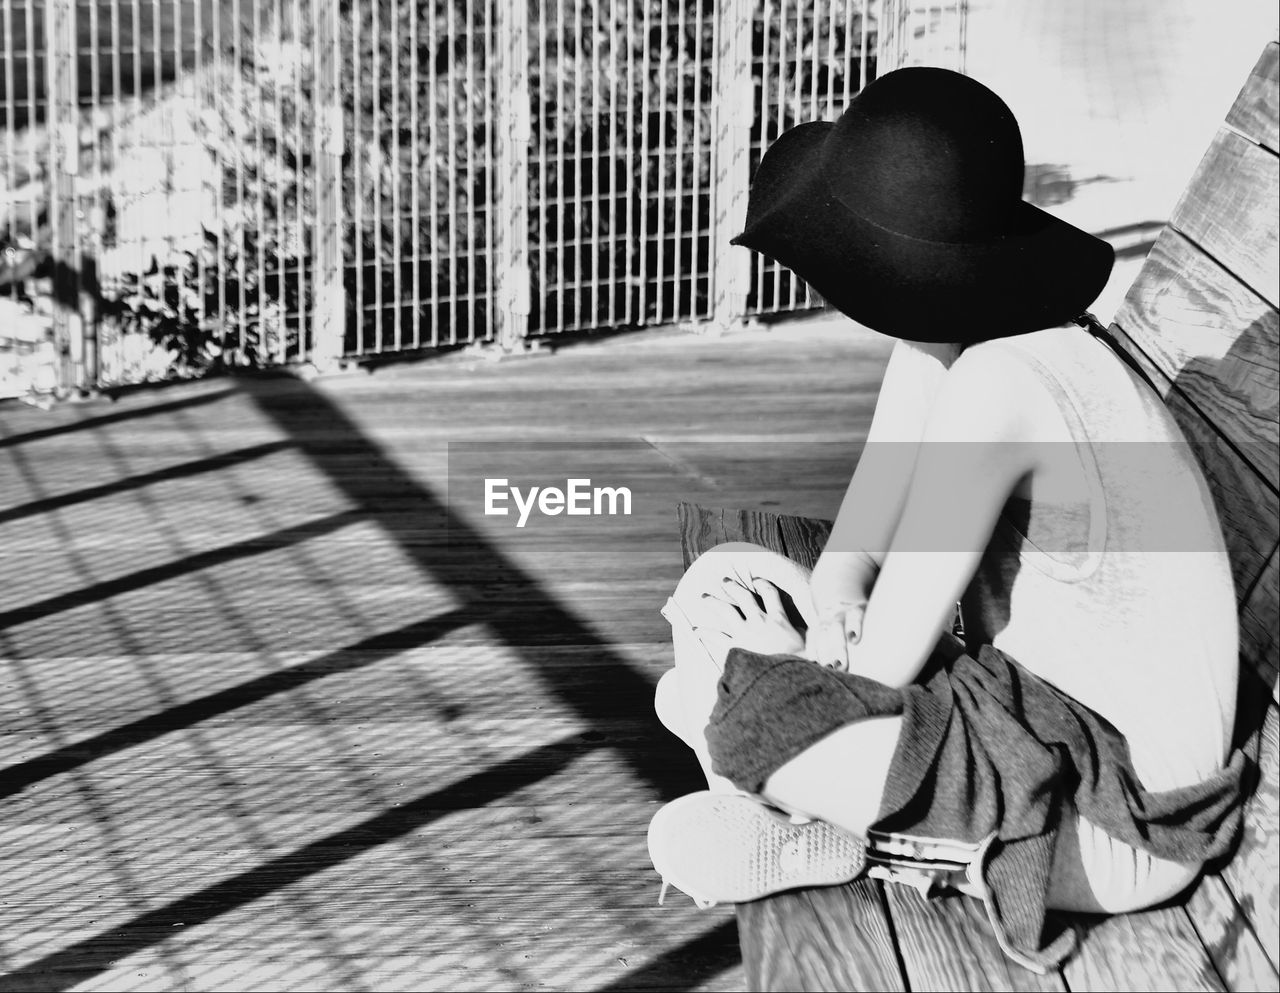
[
  {"x": 857, "y": 758},
  {"x": 1092, "y": 872},
  {"x": 725, "y": 845},
  {"x": 686, "y": 694},
  {"x": 684, "y": 698},
  {"x": 1096, "y": 874}
]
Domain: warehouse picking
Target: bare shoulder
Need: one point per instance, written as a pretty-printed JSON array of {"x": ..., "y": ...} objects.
[{"x": 992, "y": 393}]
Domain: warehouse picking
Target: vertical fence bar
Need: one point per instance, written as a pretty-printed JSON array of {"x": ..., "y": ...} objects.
[
  {"x": 764, "y": 134},
  {"x": 301, "y": 17},
  {"x": 863, "y": 19},
  {"x": 328, "y": 294},
  {"x": 261, "y": 244},
  {"x": 64, "y": 165},
  {"x": 593, "y": 103},
  {"x": 610, "y": 152},
  {"x": 357, "y": 168},
  {"x": 473, "y": 68},
  {"x": 378, "y": 166},
  {"x": 797, "y": 116},
  {"x": 33, "y": 170},
  {"x": 415, "y": 176},
  {"x": 217, "y": 103},
  {"x": 735, "y": 111},
  {"x": 452, "y": 90},
  {"x": 576, "y": 234},
  {"x": 281, "y": 240},
  {"x": 631, "y": 261},
  {"x": 489, "y": 114},
  {"x": 89, "y": 308},
  {"x": 643, "y": 161},
  {"x": 393, "y": 145},
  {"x": 541, "y": 153},
  {"x": 780, "y": 125},
  {"x": 238, "y": 129},
  {"x": 815, "y": 59},
  {"x": 696, "y": 223},
  {"x": 677, "y": 228},
  {"x": 10, "y": 150},
  {"x": 433, "y": 170},
  {"x": 567, "y": 216},
  {"x": 202, "y": 87},
  {"x": 511, "y": 253},
  {"x": 660, "y": 160}
]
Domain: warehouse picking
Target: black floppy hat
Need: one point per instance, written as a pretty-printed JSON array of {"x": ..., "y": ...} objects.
[{"x": 907, "y": 215}]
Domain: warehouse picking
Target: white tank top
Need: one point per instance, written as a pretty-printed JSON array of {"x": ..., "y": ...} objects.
[{"x": 1124, "y": 601}]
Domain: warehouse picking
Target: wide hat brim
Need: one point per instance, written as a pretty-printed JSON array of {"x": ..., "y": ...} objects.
[{"x": 1038, "y": 272}]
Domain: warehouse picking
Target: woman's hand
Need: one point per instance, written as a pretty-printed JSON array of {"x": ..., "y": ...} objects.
[
  {"x": 751, "y": 617},
  {"x": 840, "y": 586}
]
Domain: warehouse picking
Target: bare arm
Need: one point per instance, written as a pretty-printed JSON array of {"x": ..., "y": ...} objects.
[
  {"x": 846, "y": 571},
  {"x": 972, "y": 455},
  {"x": 873, "y": 502}
]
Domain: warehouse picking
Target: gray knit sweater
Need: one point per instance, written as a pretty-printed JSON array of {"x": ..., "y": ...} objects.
[{"x": 987, "y": 748}]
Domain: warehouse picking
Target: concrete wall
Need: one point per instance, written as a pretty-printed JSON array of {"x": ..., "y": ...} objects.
[{"x": 1117, "y": 100}]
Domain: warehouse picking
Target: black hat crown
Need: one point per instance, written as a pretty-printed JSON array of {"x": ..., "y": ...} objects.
[{"x": 928, "y": 153}]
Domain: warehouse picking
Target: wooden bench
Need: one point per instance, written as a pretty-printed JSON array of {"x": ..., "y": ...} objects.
[{"x": 1201, "y": 319}]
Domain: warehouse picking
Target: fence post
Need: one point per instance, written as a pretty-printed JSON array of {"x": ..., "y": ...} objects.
[
  {"x": 329, "y": 298},
  {"x": 512, "y": 304},
  {"x": 64, "y": 165},
  {"x": 735, "y": 113}
]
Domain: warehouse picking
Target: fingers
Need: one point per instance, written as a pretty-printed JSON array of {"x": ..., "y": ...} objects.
[
  {"x": 712, "y": 612},
  {"x": 772, "y": 600},
  {"x": 826, "y": 642},
  {"x": 741, "y": 597},
  {"x": 854, "y": 619}
]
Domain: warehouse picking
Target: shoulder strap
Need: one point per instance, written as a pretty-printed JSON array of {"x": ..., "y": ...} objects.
[{"x": 1095, "y": 328}]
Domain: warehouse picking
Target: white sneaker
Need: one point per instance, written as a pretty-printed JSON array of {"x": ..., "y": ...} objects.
[{"x": 730, "y": 848}]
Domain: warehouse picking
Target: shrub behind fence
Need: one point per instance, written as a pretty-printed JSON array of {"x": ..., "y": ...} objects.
[{"x": 253, "y": 182}]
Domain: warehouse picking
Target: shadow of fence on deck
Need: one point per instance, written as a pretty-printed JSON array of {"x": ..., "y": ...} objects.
[
  {"x": 608, "y": 695},
  {"x": 459, "y": 558}
]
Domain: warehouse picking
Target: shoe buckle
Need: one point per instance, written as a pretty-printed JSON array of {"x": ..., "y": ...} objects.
[{"x": 919, "y": 862}]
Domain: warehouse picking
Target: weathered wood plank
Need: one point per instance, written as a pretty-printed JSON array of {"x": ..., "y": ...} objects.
[
  {"x": 1149, "y": 950},
  {"x": 1216, "y": 342},
  {"x": 702, "y": 528},
  {"x": 1254, "y": 112},
  {"x": 947, "y": 944},
  {"x": 1259, "y": 644},
  {"x": 1252, "y": 876},
  {"x": 1230, "y": 210},
  {"x": 837, "y": 938},
  {"x": 803, "y": 539},
  {"x": 1248, "y": 508},
  {"x": 1228, "y": 937}
]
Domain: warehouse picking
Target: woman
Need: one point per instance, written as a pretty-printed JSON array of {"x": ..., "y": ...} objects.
[{"x": 1073, "y": 751}]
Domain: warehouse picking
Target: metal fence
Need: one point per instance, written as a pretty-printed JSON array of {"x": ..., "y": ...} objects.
[{"x": 189, "y": 182}]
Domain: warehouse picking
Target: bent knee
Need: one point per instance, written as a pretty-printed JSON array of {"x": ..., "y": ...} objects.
[
  {"x": 1116, "y": 878},
  {"x": 1153, "y": 881}
]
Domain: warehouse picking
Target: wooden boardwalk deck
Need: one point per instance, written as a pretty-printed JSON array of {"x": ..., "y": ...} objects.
[{"x": 281, "y": 709}]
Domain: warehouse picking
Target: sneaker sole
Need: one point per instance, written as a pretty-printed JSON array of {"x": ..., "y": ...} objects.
[{"x": 721, "y": 848}]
